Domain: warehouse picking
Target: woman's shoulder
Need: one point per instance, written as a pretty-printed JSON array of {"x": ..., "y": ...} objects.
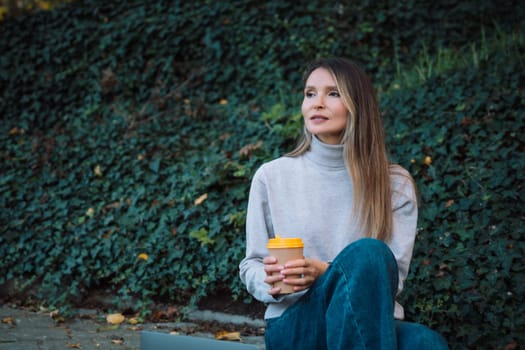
[
  {"x": 398, "y": 173},
  {"x": 276, "y": 167},
  {"x": 402, "y": 182},
  {"x": 279, "y": 164}
]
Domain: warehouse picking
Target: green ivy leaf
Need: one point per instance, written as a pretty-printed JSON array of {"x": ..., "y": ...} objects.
[{"x": 202, "y": 236}]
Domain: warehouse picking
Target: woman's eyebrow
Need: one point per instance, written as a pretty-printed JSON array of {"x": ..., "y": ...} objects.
[{"x": 310, "y": 87}]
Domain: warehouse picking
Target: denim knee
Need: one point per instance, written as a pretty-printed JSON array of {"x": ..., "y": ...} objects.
[
  {"x": 368, "y": 257},
  {"x": 367, "y": 251}
]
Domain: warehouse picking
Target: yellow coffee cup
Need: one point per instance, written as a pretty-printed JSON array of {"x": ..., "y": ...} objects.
[{"x": 285, "y": 249}]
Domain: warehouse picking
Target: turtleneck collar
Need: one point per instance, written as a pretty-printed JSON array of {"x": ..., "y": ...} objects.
[{"x": 325, "y": 155}]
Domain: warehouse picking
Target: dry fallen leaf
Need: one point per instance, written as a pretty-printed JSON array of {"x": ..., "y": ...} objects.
[
  {"x": 118, "y": 341},
  {"x": 170, "y": 313},
  {"x": 115, "y": 318},
  {"x": 55, "y": 315},
  {"x": 201, "y": 199},
  {"x": 8, "y": 320},
  {"x": 73, "y": 345},
  {"x": 133, "y": 320},
  {"x": 90, "y": 212},
  {"x": 98, "y": 171},
  {"x": 225, "y": 335},
  {"x": 16, "y": 131},
  {"x": 114, "y": 205},
  {"x": 247, "y": 150}
]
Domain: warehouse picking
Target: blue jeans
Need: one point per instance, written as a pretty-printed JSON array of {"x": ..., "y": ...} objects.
[{"x": 351, "y": 306}]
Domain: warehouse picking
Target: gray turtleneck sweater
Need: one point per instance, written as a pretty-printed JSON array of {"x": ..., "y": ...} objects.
[{"x": 310, "y": 196}]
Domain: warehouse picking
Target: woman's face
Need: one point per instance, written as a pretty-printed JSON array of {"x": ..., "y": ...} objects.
[{"x": 323, "y": 110}]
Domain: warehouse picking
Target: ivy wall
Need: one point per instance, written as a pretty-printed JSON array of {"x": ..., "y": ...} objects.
[{"x": 130, "y": 131}]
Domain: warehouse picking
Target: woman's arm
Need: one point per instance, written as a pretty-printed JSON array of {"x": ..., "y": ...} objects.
[
  {"x": 404, "y": 206},
  {"x": 259, "y": 229}
]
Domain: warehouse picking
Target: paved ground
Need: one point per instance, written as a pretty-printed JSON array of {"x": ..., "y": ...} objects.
[{"x": 30, "y": 330}]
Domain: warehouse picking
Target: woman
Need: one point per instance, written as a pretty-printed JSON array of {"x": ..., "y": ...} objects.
[{"x": 356, "y": 215}]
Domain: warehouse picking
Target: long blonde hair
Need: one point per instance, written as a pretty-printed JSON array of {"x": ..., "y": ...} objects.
[{"x": 364, "y": 147}]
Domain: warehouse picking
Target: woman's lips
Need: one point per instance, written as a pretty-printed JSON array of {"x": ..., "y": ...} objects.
[{"x": 317, "y": 119}]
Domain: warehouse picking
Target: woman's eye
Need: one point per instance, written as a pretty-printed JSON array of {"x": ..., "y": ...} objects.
[
  {"x": 334, "y": 94},
  {"x": 309, "y": 94}
]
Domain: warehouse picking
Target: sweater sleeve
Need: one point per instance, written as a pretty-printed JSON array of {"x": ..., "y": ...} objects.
[
  {"x": 404, "y": 206},
  {"x": 258, "y": 230}
]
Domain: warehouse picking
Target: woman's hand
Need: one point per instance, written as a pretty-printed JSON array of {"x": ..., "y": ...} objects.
[
  {"x": 300, "y": 273},
  {"x": 271, "y": 266}
]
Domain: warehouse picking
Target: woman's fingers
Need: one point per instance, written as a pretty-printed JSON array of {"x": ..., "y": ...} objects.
[
  {"x": 275, "y": 291},
  {"x": 300, "y": 273},
  {"x": 303, "y": 273},
  {"x": 269, "y": 260},
  {"x": 271, "y": 266},
  {"x": 273, "y": 273}
]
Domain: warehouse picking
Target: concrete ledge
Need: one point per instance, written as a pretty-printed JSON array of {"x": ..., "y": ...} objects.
[{"x": 220, "y": 317}]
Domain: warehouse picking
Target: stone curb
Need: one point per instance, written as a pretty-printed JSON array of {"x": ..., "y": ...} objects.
[
  {"x": 212, "y": 316},
  {"x": 29, "y": 330}
]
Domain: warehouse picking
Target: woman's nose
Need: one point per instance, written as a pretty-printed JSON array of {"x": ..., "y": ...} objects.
[{"x": 319, "y": 102}]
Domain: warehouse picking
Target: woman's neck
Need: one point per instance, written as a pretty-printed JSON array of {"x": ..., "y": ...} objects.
[{"x": 326, "y": 155}]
